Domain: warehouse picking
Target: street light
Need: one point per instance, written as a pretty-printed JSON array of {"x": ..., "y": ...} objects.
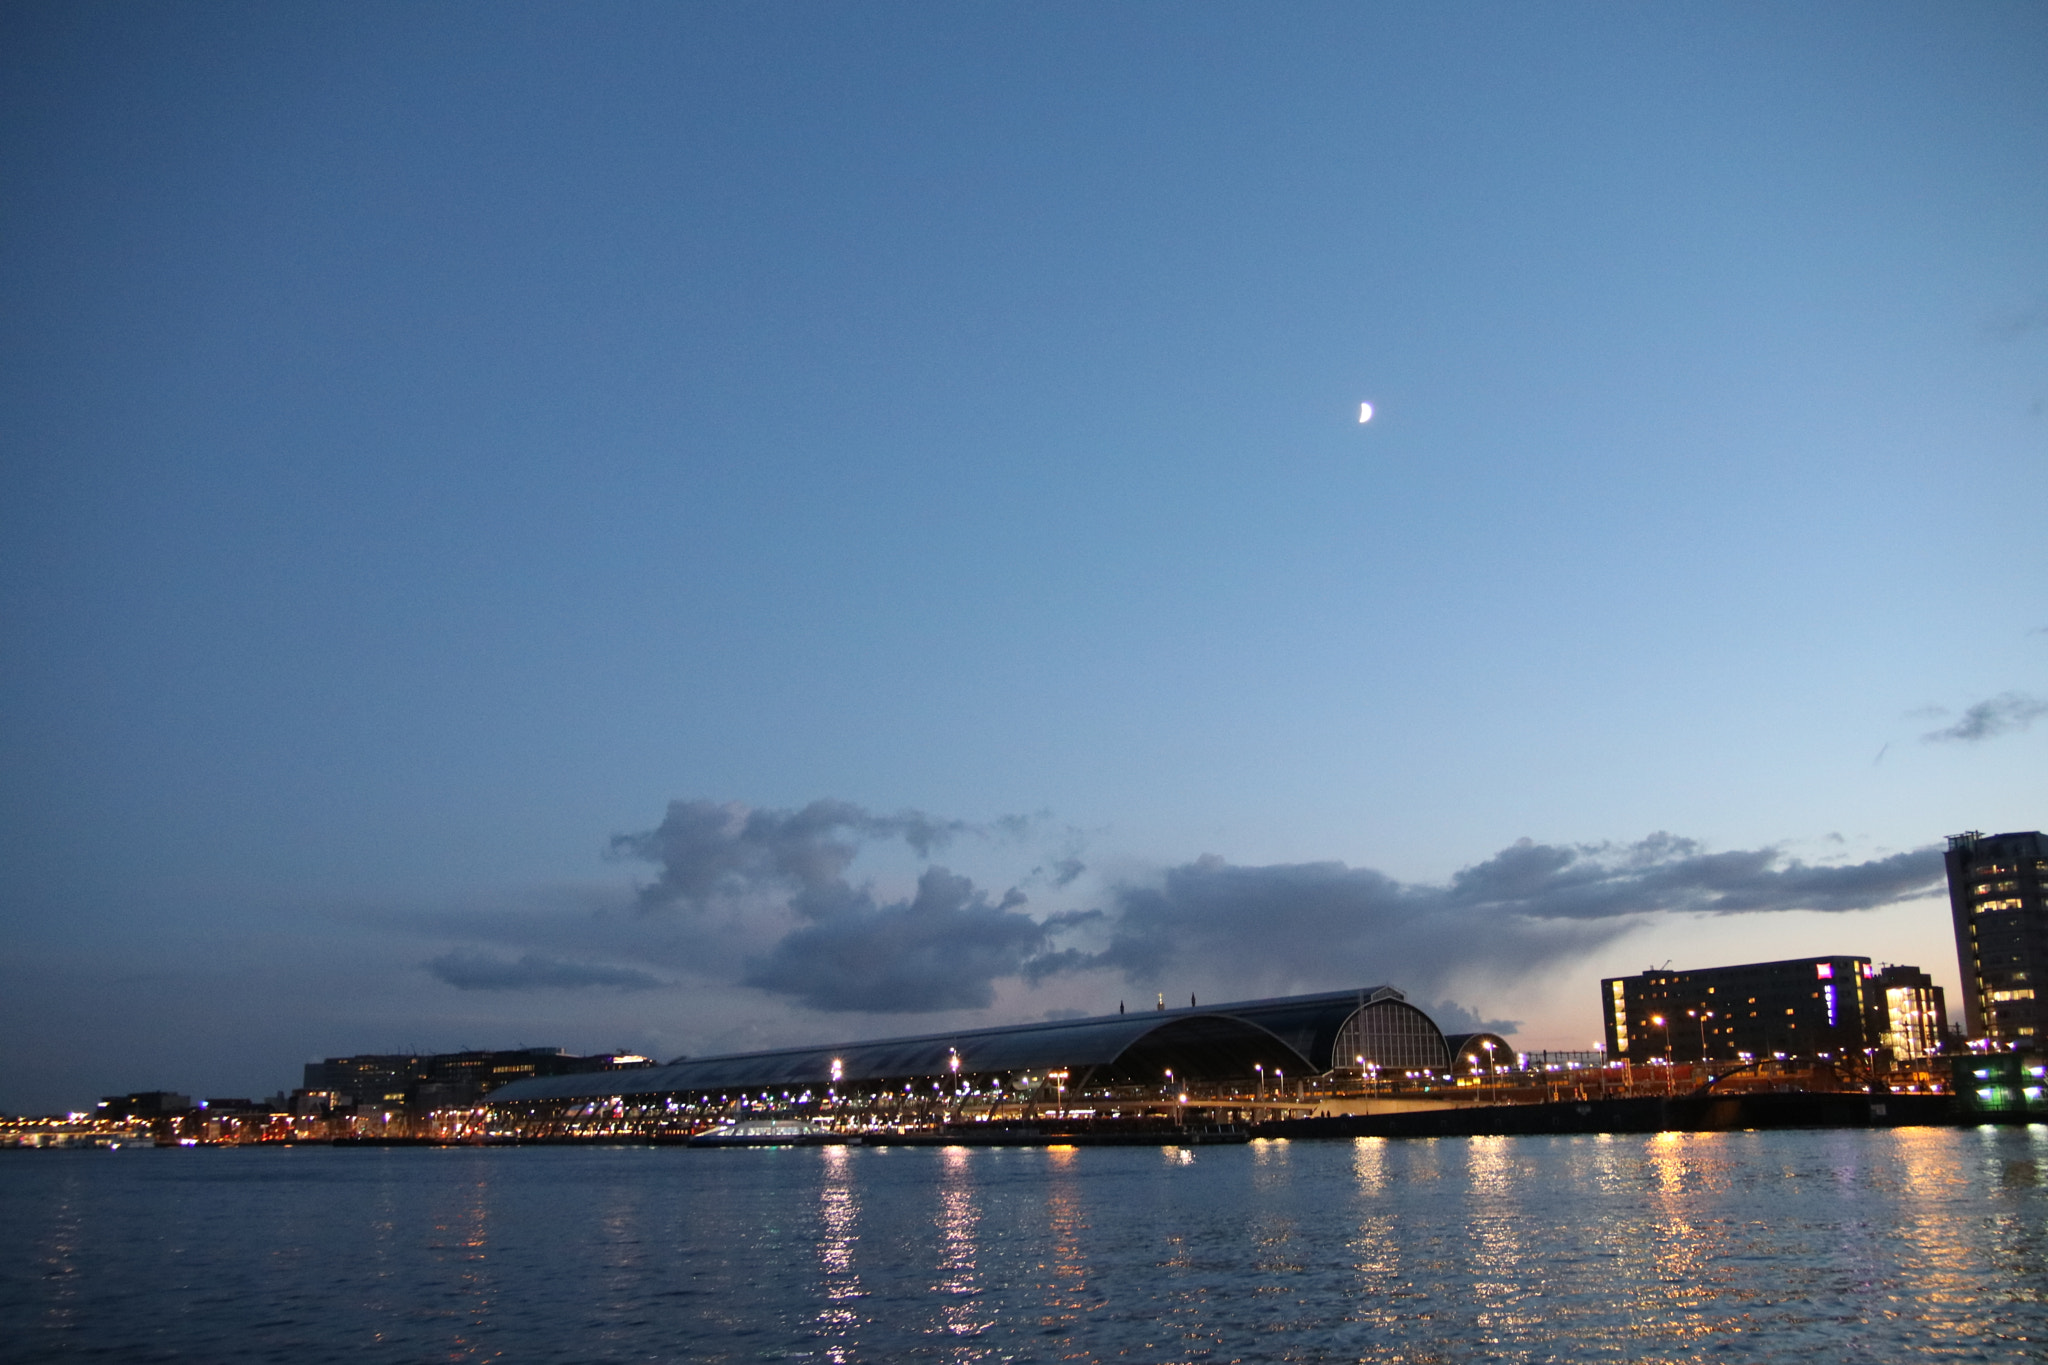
[
  {"x": 1702, "y": 1016},
  {"x": 1260, "y": 1067},
  {"x": 1490, "y": 1073}
]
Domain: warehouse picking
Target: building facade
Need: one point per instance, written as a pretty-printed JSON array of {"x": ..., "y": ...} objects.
[
  {"x": 1269, "y": 1043},
  {"x": 1996, "y": 889},
  {"x": 393, "y": 1082},
  {"x": 1916, "y": 1013},
  {"x": 1804, "y": 1007}
]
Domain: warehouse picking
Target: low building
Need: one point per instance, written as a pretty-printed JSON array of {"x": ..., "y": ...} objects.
[
  {"x": 1995, "y": 1087},
  {"x": 1819, "y": 1007},
  {"x": 396, "y": 1082},
  {"x": 144, "y": 1104}
]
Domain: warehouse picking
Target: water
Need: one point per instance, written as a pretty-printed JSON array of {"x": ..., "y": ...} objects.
[{"x": 1847, "y": 1245}]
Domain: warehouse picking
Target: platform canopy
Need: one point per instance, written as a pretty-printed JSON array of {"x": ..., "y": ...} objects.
[{"x": 1293, "y": 1034}]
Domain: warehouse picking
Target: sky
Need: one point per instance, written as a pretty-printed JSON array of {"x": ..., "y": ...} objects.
[{"x": 693, "y": 527}]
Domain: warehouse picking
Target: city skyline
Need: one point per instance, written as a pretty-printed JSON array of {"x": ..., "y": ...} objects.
[{"x": 682, "y": 530}]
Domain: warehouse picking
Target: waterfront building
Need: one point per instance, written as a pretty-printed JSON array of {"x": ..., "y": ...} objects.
[
  {"x": 143, "y": 1104},
  {"x": 1998, "y": 900},
  {"x": 1803, "y": 1007},
  {"x": 392, "y": 1082},
  {"x": 1269, "y": 1047},
  {"x": 1916, "y": 1013}
]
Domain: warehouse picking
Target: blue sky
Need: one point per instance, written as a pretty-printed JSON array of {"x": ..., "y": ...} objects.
[{"x": 439, "y": 439}]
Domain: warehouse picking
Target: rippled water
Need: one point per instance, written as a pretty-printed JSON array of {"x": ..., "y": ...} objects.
[{"x": 1848, "y": 1245}]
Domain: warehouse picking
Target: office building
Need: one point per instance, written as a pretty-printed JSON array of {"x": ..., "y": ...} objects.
[
  {"x": 1805, "y": 1007},
  {"x": 1996, "y": 888}
]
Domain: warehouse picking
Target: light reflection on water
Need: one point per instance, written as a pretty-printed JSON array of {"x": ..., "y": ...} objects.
[{"x": 1919, "y": 1243}]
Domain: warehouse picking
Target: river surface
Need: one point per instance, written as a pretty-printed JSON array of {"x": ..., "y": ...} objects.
[{"x": 1912, "y": 1244}]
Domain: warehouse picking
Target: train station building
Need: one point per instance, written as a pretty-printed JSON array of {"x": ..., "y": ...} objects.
[{"x": 1258, "y": 1047}]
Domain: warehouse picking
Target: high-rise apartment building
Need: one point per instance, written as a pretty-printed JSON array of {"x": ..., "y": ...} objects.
[{"x": 1998, "y": 897}]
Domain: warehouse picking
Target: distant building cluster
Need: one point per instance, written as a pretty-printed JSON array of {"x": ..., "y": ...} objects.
[
  {"x": 1819, "y": 1007},
  {"x": 383, "y": 1088},
  {"x": 369, "y": 1097}
]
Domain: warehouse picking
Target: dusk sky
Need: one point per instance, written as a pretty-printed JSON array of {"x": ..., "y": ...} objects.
[{"x": 688, "y": 528}]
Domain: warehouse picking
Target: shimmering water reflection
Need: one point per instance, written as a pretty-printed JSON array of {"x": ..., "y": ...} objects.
[{"x": 1913, "y": 1244}]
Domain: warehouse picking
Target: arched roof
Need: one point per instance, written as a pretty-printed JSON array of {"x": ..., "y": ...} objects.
[
  {"x": 1291, "y": 1033},
  {"x": 1469, "y": 1049}
]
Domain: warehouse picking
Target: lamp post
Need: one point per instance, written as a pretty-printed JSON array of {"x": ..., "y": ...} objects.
[
  {"x": 1662, "y": 1023},
  {"x": 1490, "y": 1072},
  {"x": 1702, "y": 1016},
  {"x": 1260, "y": 1067}
]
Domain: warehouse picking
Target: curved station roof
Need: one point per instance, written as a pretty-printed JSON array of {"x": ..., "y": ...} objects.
[{"x": 1295, "y": 1033}]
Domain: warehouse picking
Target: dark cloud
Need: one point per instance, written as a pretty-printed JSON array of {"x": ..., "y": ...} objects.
[
  {"x": 1452, "y": 1017},
  {"x": 942, "y": 950},
  {"x": 472, "y": 971},
  {"x": 2004, "y": 714},
  {"x": 1523, "y": 909},
  {"x": 1303, "y": 925},
  {"x": 1668, "y": 873},
  {"x": 708, "y": 850},
  {"x": 838, "y": 947}
]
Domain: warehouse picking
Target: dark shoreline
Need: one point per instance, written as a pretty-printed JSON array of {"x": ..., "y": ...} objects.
[{"x": 1635, "y": 1115}]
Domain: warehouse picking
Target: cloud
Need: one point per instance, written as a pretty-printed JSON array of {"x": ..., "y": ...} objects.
[
  {"x": 710, "y": 850},
  {"x": 473, "y": 971},
  {"x": 1452, "y": 1017},
  {"x": 2007, "y": 713},
  {"x": 942, "y": 950},
  {"x": 791, "y": 922},
  {"x": 1522, "y": 910},
  {"x": 839, "y": 947}
]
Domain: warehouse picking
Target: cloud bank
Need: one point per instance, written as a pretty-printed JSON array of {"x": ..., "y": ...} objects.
[
  {"x": 831, "y": 944},
  {"x": 1523, "y": 909}
]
